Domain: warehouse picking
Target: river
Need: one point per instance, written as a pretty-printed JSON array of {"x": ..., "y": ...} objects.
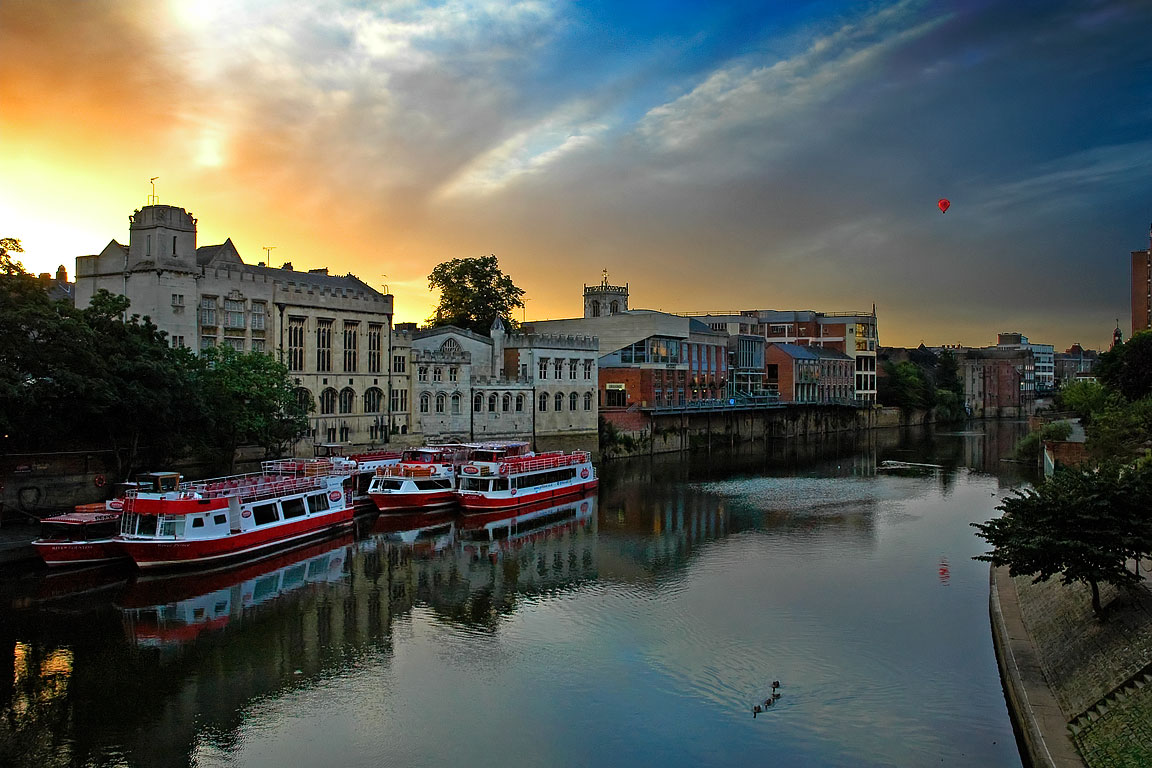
[{"x": 639, "y": 626}]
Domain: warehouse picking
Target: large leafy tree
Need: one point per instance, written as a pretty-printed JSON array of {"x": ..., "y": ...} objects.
[
  {"x": 1127, "y": 368},
  {"x": 251, "y": 401},
  {"x": 905, "y": 385},
  {"x": 1082, "y": 525},
  {"x": 473, "y": 293},
  {"x": 9, "y": 265}
]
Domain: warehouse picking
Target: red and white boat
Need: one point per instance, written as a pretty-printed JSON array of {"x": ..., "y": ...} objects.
[
  {"x": 423, "y": 479},
  {"x": 86, "y": 536},
  {"x": 517, "y": 481},
  {"x": 174, "y": 523},
  {"x": 363, "y": 468}
]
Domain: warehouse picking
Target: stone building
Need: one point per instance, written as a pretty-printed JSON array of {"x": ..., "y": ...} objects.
[
  {"x": 333, "y": 332},
  {"x": 471, "y": 387},
  {"x": 994, "y": 382}
]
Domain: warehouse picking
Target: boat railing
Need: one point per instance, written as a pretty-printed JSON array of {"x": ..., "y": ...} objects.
[
  {"x": 407, "y": 470},
  {"x": 249, "y": 487},
  {"x": 544, "y": 461}
]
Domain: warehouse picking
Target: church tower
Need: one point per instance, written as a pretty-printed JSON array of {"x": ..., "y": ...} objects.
[{"x": 604, "y": 299}]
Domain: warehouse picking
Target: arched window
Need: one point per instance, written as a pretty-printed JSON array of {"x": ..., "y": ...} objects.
[
  {"x": 543, "y": 401},
  {"x": 614, "y": 308},
  {"x": 587, "y": 401},
  {"x": 478, "y": 402},
  {"x": 425, "y": 402},
  {"x": 373, "y": 399},
  {"x": 506, "y": 402},
  {"x": 437, "y": 373},
  {"x": 456, "y": 403},
  {"x": 572, "y": 399},
  {"x": 559, "y": 401},
  {"x": 519, "y": 403},
  {"x": 347, "y": 399},
  {"x": 450, "y": 347},
  {"x": 328, "y": 401},
  {"x": 422, "y": 373},
  {"x": 441, "y": 401},
  {"x": 492, "y": 403},
  {"x": 595, "y": 309},
  {"x": 304, "y": 399}
]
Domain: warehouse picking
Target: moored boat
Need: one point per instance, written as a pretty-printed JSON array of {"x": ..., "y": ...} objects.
[
  {"x": 173, "y": 523},
  {"x": 85, "y": 536},
  {"x": 423, "y": 479},
  {"x": 483, "y": 486}
]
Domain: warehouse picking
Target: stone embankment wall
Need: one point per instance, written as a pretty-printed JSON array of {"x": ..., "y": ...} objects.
[{"x": 640, "y": 433}]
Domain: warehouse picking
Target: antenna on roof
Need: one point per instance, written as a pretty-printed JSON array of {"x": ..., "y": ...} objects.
[
  {"x": 268, "y": 252},
  {"x": 152, "y": 199}
]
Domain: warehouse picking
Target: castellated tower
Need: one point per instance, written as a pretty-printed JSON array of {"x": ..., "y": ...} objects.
[
  {"x": 604, "y": 299},
  {"x": 162, "y": 237}
]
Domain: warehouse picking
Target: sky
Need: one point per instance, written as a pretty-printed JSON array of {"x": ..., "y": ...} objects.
[{"x": 714, "y": 156}]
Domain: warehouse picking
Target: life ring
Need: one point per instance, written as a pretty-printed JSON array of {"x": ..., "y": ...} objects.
[
  {"x": 100, "y": 481},
  {"x": 503, "y": 469}
]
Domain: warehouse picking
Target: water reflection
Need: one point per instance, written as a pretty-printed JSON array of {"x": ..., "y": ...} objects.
[{"x": 604, "y": 623}]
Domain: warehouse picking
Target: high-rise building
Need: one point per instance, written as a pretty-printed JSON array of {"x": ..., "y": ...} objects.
[{"x": 1142, "y": 288}]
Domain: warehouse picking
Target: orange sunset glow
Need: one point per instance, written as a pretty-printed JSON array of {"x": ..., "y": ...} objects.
[{"x": 383, "y": 140}]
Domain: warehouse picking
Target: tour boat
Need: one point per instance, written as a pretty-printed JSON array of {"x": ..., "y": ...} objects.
[
  {"x": 85, "y": 536},
  {"x": 421, "y": 480},
  {"x": 174, "y": 523},
  {"x": 517, "y": 481},
  {"x": 363, "y": 469}
]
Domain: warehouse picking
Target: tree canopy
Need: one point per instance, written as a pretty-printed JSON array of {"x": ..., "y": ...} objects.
[
  {"x": 1081, "y": 525},
  {"x": 89, "y": 378},
  {"x": 1127, "y": 367},
  {"x": 473, "y": 293}
]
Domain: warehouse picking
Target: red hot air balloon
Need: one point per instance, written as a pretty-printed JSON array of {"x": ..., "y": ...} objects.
[{"x": 943, "y": 205}]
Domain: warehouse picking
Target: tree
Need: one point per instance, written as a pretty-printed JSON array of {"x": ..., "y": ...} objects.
[
  {"x": 905, "y": 386},
  {"x": 1082, "y": 525},
  {"x": 1127, "y": 368},
  {"x": 473, "y": 293},
  {"x": 251, "y": 401},
  {"x": 8, "y": 265},
  {"x": 1085, "y": 398}
]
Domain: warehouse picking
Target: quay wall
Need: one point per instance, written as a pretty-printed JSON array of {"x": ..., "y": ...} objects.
[{"x": 639, "y": 432}]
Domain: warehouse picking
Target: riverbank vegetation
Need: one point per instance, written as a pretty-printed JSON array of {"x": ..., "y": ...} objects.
[
  {"x": 925, "y": 381},
  {"x": 99, "y": 378},
  {"x": 1089, "y": 522}
]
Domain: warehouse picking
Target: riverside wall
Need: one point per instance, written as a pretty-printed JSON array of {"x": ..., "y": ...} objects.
[{"x": 639, "y": 432}]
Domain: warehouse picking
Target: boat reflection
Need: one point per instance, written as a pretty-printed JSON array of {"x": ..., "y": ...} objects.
[{"x": 176, "y": 609}]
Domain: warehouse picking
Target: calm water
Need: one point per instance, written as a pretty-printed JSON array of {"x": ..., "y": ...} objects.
[{"x": 636, "y": 627}]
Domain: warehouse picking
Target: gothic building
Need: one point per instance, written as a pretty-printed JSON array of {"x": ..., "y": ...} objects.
[{"x": 333, "y": 332}]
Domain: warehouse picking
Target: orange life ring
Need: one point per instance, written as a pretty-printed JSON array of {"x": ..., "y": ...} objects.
[{"x": 99, "y": 481}]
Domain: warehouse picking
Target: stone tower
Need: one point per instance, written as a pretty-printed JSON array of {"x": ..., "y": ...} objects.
[
  {"x": 163, "y": 235},
  {"x": 604, "y": 299}
]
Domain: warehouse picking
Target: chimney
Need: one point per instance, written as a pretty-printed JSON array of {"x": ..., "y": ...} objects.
[{"x": 61, "y": 274}]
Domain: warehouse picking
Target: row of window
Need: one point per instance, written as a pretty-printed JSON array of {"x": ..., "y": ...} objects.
[
  {"x": 557, "y": 367},
  {"x": 505, "y": 403},
  {"x": 236, "y": 314},
  {"x": 437, "y": 372},
  {"x": 350, "y": 331}
]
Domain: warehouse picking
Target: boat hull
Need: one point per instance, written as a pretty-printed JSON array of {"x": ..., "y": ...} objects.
[
  {"x": 472, "y": 503},
  {"x": 402, "y": 503},
  {"x": 177, "y": 553},
  {"x": 59, "y": 554}
]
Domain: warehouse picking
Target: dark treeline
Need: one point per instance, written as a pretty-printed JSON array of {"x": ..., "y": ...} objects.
[
  {"x": 924, "y": 381},
  {"x": 98, "y": 378}
]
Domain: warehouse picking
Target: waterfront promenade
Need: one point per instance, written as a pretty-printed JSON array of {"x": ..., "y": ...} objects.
[{"x": 1082, "y": 689}]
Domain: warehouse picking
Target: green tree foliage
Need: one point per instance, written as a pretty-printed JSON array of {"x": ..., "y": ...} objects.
[
  {"x": 1083, "y": 525},
  {"x": 1085, "y": 398},
  {"x": 905, "y": 386},
  {"x": 8, "y": 265},
  {"x": 88, "y": 378},
  {"x": 1127, "y": 368},
  {"x": 1028, "y": 449},
  {"x": 473, "y": 293},
  {"x": 251, "y": 401},
  {"x": 1120, "y": 430}
]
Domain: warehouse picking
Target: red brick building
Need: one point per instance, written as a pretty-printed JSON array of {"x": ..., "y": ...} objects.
[{"x": 1142, "y": 288}]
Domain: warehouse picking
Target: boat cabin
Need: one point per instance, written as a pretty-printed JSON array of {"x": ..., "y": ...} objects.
[
  {"x": 80, "y": 526},
  {"x": 157, "y": 482}
]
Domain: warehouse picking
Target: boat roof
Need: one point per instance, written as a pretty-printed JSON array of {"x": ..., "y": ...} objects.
[{"x": 83, "y": 518}]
